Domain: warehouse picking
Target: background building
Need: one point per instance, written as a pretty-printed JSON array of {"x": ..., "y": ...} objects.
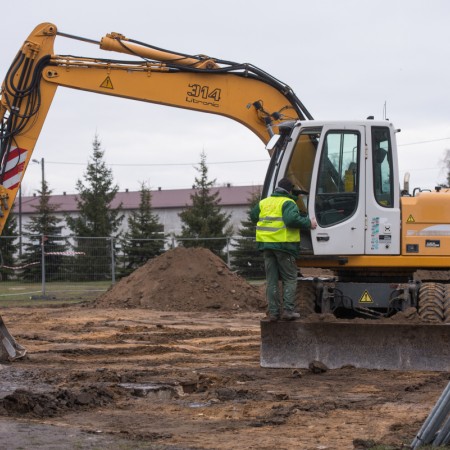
[{"x": 167, "y": 204}]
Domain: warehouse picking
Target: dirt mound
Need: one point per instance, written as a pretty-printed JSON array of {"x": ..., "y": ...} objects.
[
  {"x": 22, "y": 402},
  {"x": 184, "y": 279}
]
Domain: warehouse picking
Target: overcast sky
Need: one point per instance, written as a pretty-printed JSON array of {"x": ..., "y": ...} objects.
[{"x": 344, "y": 59}]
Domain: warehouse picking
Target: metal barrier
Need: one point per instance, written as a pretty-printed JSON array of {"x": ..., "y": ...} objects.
[
  {"x": 436, "y": 428},
  {"x": 36, "y": 266}
]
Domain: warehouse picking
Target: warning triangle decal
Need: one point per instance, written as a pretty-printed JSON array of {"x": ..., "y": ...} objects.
[
  {"x": 107, "y": 83},
  {"x": 365, "y": 298}
]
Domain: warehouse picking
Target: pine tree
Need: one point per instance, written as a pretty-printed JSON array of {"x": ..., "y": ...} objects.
[
  {"x": 45, "y": 229},
  {"x": 8, "y": 248},
  {"x": 145, "y": 238},
  {"x": 96, "y": 219},
  {"x": 247, "y": 260},
  {"x": 204, "y": 219}
]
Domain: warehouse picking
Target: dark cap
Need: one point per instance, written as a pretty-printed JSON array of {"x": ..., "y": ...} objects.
[{"x": 286, "y": 184}]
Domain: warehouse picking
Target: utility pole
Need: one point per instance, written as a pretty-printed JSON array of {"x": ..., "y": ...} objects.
[
  {"x": 43, "y": 238},
  {"x": 20, "y": 220},
  {"x": 42, "y": 163}
]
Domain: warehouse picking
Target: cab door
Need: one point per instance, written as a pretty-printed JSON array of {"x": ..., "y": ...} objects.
[
  {"x": 338, "y": 190},
  {"x": 382, "y": 192}
]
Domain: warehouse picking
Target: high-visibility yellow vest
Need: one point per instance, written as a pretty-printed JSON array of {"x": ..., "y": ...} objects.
[{"x": 270, "y": 227}]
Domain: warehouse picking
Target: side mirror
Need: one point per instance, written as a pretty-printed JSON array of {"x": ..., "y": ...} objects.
[{"x": 272, "y": 142}]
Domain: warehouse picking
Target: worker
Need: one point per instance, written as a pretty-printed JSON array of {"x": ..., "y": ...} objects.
[{"x": 278, "y": 226}]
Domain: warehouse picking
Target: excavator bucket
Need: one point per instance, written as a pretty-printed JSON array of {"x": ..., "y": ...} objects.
[
  {"x": 370, "y": 345},
  {"x": 9, "y": 348}
]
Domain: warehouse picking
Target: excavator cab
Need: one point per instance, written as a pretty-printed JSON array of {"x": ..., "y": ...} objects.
[{"x": 350, "y": 171}]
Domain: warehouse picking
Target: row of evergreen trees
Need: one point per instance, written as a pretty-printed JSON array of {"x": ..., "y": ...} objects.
[{"x": 201, "y": 221}]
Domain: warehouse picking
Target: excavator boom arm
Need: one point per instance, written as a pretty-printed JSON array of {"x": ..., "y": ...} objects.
[
  {"x": 241, "y": 92},
  {"x": 231, "y": 95}
]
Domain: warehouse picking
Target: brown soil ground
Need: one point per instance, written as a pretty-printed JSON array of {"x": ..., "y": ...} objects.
[{"x": 169, "y": 359}]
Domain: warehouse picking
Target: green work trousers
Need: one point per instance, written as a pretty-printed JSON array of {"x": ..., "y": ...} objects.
[{"x": 280, "y": 266}]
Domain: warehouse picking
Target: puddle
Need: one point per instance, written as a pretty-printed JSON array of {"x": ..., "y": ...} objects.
[
  {"x": 13, "y": 379},
  {"x": 199, "y": 404},
  {"x": 16, "y": 435},
  {"x": 153, "y": 390}
]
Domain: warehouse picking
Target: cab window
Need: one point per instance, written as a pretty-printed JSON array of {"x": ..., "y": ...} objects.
[
  {"x": 382, "y": 166},
  {"x": 338, "y": 175},
  {"x": 300, "y": 167}
]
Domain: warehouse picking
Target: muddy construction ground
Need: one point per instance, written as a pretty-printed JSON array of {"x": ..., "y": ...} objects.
[{"x": 136, "y": 370}]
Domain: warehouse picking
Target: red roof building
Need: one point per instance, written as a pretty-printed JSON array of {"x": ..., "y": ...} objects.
[{"x": 167, "y": 204}]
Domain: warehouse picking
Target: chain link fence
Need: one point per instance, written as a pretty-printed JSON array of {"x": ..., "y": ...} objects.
[{"x": 78, "y": 268}]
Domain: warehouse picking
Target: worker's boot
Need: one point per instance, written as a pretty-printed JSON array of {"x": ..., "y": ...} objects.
[
  {"x": 290, "y": 315},
  {"x": 273, "y": 317}
]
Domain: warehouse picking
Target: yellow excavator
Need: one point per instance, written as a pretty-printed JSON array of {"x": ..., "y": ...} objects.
[{"x": 372, "y": 234}]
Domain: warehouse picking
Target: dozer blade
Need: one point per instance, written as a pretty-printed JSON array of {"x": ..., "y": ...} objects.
[
  {"x": 9, "y": 348},
  {"x": 372, "y": 345}
]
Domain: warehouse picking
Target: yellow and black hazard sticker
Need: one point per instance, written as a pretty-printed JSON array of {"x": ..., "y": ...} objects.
[
  {"x": 410, "y": 219},
  {"x": 366, "y": 298},
  {"x": 107, "y": 83}
]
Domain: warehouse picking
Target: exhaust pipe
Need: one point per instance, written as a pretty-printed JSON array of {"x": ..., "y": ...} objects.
[{"x": 9, "y": 348}]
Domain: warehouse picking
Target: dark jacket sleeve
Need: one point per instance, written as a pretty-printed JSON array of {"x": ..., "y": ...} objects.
[
  {"x": 254, "y": 213},
  {"x": 293, "y": 218}
]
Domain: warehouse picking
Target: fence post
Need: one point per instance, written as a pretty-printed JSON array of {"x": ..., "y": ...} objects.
[
  {"x": 43, "y": 263},
  {"x": 113, "y": 263}
]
